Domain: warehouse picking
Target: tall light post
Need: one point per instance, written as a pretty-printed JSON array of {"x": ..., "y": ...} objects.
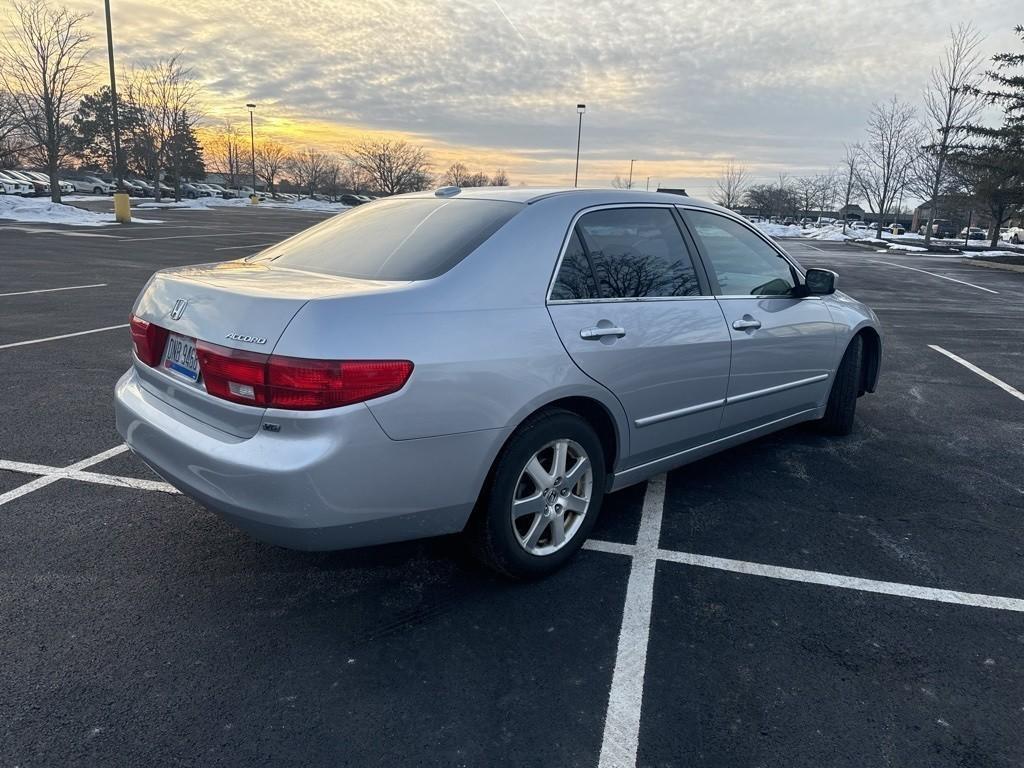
[
  {"x": 122, "y": 206},
  {"x": 580, "y": 109},
  {"x": 629, "y": 184},
  {"x": 648, "y": 187},
  {"x": 252, "y": 148}
]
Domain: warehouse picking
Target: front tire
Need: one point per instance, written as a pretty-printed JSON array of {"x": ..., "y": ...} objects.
[
  {"x": 542, "y": 498},
  {"x": 842, "y": 400}
]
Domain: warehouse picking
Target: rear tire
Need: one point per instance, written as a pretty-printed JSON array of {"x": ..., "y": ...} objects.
[
  {"x": 521, "y": 544},
  {"x": 842, "y": 400}
]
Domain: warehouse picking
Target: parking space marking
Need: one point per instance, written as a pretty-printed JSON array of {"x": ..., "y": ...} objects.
[
  {"x": 45, "y": 480},
  {"x": 846, "y": 582},
  {"x": 184, "y": 237},
  {"x": 63, "y": 336},
  {"x": 53, "y": 290},
  {"x": 933, "y": 274},
  {"x": 88, "y": 477},
  {"x": 235, "y": 247},
  {"x": 984, "y": 374},
  {"x": 622, "y": 718}
]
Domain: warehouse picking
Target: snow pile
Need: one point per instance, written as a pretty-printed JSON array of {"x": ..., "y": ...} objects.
[
  {"x": 206, "y": 203},
  {"x": 911, "y": 248},
  {"x": 779, "y": 230},
  {"x": 828, "y": 233},
  {"x": 39, "y": 211}
]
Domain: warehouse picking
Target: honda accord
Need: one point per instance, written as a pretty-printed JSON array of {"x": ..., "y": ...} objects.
[{"x": 486, "y": 361}]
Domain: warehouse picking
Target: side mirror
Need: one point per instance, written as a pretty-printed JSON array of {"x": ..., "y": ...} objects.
[{"x": 820, "y": 282}]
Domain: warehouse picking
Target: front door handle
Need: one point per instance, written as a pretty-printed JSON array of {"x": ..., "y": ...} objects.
[
  {"x": 747, "y": 324},
  {"x": 599, "y": 332}
]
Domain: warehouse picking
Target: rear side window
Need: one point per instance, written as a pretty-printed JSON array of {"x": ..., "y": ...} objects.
[
  {"x": 401, "y": 239},
  {"x": 638, "y": 253},
  {"x": 575, "y": 277}
]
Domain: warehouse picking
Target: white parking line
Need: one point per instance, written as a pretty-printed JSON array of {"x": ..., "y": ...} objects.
[
  {"x": 984, "y": 374},
  {"x": 933, "y": 274},
  {"x": 622, "y": 718},
  {"x": 184, "y": 237},
  {"x": 88, "y": 477},
  {"x": 235, "y": 247},
  {"x": 62, "y": 336},
  {"x": 52, "y": 290},
  {"x": 42, "y": 482}
]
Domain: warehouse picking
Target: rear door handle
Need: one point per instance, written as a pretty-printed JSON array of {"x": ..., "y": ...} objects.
[
  {"x": 599, "y": 332},
  {"x": 747, "y": 324}
]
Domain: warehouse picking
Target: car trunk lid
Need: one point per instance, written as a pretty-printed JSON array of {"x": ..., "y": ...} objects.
[{"x": 237, "y": 304}]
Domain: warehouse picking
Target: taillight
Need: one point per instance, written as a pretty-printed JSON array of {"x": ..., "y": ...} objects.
[
  {"x": 148, "y": 339},
  {"x": 274, "y": 381}
]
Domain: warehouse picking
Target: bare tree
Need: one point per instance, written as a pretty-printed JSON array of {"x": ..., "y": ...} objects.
[
  {"x": 43, "y": 70},
  {"x": 307, "y": 170},
  {"x": 456, "y": 176},
  {"x": 223, "y": 152},
  {"x": 620, "y": 183},
  {"x": 392, "y": 166},
  {"x": 731, "y": 185},
  {"x": 271, "y": 159},
  {"x": 166, "y": 95},
  {"x": 892, "y": 142},
  {"x": 951, "y": 102},
  {"x": 500, "y": 178},
  {"x": 851, "y": 162},
  {"x": 807, "y": 190}
]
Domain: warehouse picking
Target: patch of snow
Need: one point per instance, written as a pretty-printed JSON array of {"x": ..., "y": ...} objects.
[
  {"x": 206, "y": 203},
  {"x": 41, "y": 211},
  {"x": 779, "y": 230},
  {"x": 912, "y": 248}
]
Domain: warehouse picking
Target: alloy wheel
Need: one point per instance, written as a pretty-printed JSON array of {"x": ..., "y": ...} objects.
[{"x": 552, "y": 497}]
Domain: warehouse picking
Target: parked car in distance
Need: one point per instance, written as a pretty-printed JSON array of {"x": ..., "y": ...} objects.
[
  {"x": 500, "y": 382},
  {"x": 39, "y": 188},
  {"x": 41, "y": 178},
  {"x": 973, "y": 233},
  {"x": 13, "y": 185},
  {"x": 942, "y": 228},
  {"x": 1015, "y": 235},
  {"x": 896, "y": 228},
  {"x": 352, "y": 200},
  {"x": 219, "y": 189},
  {"x": 90, "y": 184},
  {"x": 195, "y": 190}
]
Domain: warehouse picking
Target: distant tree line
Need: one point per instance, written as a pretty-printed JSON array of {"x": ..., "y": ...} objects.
[
  {"x": 939, "y": 154},
  {"x": 51, "y": 117}
]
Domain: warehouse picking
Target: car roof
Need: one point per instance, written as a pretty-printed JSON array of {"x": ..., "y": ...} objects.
[{"x": 586, "y": 197}]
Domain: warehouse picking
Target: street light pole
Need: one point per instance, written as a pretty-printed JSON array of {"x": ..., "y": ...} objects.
[
  {"x": 122, "y": 206},
  {"x": 629, "y": 184},
  {"x": 252, "y": 147},
  {"x": 648, "y": 187},
  {"x": 580, "y": 109}
]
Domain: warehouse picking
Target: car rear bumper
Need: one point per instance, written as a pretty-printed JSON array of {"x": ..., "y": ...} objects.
[{"x": 326, "y": 480}]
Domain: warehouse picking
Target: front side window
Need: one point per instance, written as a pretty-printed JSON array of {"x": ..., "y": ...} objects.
[
  {"x": 744, "y": 264},
  {"x": 637, "y": 253}
]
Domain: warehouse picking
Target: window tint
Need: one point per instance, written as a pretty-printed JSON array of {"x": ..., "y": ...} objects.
[
  {"x": 638, "y": 252},
  {"x": 743, "y": 262},
  {"x": 575, "y": 277},
  {"x": 401, "y": 239}
]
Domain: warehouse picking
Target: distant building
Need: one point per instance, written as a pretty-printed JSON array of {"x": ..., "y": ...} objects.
[
  {"x": 673, "y": 191},
  {"x": 853, "y": 212}
]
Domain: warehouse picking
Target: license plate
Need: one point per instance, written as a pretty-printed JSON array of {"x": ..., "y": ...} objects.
[{"x": 180, "y": 358}]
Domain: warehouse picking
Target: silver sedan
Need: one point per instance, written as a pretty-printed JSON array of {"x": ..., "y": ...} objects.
[{"x": 491, "y": 361}]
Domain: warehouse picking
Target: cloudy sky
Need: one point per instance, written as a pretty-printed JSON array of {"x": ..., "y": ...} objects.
[{"x": 679, "y": 85}]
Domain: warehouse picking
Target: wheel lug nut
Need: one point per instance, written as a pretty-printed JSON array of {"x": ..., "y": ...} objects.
[{"x": 565, "y": 491}]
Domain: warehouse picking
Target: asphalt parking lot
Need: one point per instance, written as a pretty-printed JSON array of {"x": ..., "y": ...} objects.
[{"x": 798, "y": 601}]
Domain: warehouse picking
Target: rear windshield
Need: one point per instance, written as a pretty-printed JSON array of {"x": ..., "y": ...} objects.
[{"x": 401, "y": 239}]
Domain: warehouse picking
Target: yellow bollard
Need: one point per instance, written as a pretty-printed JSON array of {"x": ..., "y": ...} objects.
[
  {"x": 254, "y": 199},
  {"x": 122, "y": 208}
]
